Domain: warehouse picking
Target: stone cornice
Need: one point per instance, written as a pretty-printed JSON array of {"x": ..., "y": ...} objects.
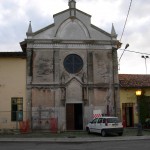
[
  {"x": 53, "y": 86},
  {"x": 62, "y": 41},
  {"x": 70, "y": 44}
]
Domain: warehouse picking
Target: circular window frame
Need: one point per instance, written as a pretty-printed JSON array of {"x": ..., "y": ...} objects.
[{"x": 73, "y": 63}]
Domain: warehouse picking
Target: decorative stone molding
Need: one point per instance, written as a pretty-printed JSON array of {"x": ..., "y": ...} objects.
[{"x": 70, "y": 46}]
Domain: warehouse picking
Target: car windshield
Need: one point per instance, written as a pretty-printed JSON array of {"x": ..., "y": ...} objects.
[{"x": 112, "y": 120}]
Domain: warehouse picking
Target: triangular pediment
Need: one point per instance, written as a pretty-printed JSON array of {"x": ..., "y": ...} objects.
[{"x": 78, "y": 27}]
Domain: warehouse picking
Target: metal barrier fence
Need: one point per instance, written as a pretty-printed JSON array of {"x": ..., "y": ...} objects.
[{"x": 39, "y": 120}]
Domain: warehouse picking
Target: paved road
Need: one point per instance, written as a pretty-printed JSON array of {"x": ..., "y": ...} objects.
[{"x": 110, "y": 145}]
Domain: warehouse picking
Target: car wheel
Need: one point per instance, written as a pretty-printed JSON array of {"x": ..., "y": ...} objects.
[
  {"x": 103, "y": 133},
  {"x": 88, "y": 130},
  {"x": 120, "y": 134}
]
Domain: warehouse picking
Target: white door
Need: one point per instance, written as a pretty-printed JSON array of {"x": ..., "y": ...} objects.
[{"x": 98, "y": 125}]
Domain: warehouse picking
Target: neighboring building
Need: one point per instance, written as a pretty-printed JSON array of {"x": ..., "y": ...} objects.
[
  {"x": 72, "y": 70},
  {"x": 12, "y": 89},
  {"x": 129, "y": 84}
]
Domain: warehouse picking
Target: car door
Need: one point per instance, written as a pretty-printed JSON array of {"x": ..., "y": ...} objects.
[
  {"x": 93, "y": 125},
  {"x": 98, "y": 125}
]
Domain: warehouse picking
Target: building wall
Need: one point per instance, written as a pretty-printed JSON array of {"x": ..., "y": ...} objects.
[
  {"x": 12, "y": 84},
  {"x": 127, "y": 95},
  {"x": 52, "y": 87}
]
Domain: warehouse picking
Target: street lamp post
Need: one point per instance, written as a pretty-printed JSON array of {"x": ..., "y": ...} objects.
[
  {"x": 127, "y": 45},
  {"x": 138, "y": 94},
  {"x": 145, "y": 57}
]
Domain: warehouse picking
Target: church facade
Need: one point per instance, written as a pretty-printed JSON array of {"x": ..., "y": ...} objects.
[{"x": 71, "y": 71}]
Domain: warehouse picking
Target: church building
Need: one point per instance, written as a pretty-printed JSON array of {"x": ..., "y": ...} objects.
[{"x": 71, "y": 71}]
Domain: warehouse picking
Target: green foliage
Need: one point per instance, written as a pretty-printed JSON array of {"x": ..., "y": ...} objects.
[{"x": 144, "y": 106}]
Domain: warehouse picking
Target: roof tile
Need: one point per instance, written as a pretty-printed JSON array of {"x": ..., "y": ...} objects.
[{"x": 134, "y": 80}]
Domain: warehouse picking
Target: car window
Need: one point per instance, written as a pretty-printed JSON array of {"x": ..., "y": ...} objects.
[
  {"x": 95, "y": 120},
  {"x": 104, "y": 120},
  {"x": 112, "y": 120},
  {"x": 100, "y": 120}
]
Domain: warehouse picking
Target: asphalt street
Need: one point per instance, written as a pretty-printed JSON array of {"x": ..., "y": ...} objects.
[{"x": 110, "y": 145}]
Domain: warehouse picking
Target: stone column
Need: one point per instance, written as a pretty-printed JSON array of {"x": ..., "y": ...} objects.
[
  {"x": 116, "y": 85},
  {"x": 29, "y": 76}
]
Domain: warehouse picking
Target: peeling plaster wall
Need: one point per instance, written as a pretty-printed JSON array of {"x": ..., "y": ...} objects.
[
  {"x": 102, "y": 66},
  {"x": 42, "y": 108},
  {"x": 42, "y": 97},
  {"x": 43, "y": 66},
  {"x": 51, "y": 82},
  {"x": 50, "y": 86}
]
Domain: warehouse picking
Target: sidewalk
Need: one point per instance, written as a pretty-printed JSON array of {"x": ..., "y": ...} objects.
[{"x": 72, "y": 137}]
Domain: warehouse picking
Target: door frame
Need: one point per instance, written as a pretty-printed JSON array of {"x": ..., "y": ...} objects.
[
  {"x": 74, "y": 117},
  {"x": 124, "y": 113}
]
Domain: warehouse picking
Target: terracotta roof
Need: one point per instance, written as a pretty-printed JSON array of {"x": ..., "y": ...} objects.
[{"x": 134, "y": 80}]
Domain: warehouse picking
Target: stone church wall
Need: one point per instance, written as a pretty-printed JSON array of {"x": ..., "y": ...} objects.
[
  {"x": 43, "y": 66},
  {"x": 51, "y": 85}
]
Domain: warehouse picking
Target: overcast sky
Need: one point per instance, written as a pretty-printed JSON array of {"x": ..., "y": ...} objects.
[{"x": 16, "y": 14}]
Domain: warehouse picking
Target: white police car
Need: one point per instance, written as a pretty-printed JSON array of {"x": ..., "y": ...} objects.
[{"x": 105, "y": 125}]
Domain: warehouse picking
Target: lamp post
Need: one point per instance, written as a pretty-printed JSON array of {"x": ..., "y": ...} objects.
[
  {"x": 138, "y": 94},
  {"x": 127, "y": 45},
  {"x": 145, "y": 57}
]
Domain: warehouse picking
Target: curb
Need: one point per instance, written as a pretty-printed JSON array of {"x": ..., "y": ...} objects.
[{"x": 75, "y": 140}]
